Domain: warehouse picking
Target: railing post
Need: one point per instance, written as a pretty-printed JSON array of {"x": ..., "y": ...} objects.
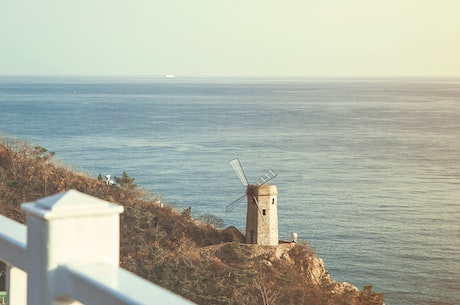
[
  {"x": 16, "y": 281},
  {"x": 69, "y": 227}
]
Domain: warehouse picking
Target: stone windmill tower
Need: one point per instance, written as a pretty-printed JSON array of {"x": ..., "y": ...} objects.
[{"x": 262, "y": 211}]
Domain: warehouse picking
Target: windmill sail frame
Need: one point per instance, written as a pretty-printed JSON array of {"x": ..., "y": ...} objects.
[{"x": 238, "y": 168}]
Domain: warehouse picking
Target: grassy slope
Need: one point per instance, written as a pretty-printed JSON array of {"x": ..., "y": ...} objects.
[{"x": 198, "y": 261}]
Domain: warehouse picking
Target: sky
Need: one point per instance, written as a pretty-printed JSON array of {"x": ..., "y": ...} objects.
[{"x": 246, "y": 38}]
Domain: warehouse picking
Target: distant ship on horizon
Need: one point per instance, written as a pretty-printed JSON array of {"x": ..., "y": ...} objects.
[{"x": 170, "y": 76}]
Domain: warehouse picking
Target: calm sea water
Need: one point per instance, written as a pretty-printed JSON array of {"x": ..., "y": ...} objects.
[{"x": 368, "y": 169}]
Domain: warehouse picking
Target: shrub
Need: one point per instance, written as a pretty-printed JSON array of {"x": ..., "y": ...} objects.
[{"x": 212, "y": 220}]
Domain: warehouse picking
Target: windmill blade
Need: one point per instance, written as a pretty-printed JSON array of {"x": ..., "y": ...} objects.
[
  {"x": 233, "y": 204},
  {"x": 235, "y": 163},
  {"x": 267, "y": 176},
  {"x": 258, "y": 208}
]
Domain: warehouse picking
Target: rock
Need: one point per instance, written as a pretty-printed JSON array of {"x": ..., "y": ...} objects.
[{"x": 233, "y": 234}]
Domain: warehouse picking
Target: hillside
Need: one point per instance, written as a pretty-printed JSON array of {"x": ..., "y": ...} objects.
[{"x": 197, "y": 260}]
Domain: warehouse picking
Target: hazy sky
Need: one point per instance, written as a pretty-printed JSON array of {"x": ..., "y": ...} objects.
[{"x": 231, "y": 37}]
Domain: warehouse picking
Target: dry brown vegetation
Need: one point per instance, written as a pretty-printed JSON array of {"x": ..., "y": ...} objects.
[{"x": 196, "y": 260}]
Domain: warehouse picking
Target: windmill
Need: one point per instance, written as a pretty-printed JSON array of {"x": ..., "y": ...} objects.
[{"x": 261, "y": 215}]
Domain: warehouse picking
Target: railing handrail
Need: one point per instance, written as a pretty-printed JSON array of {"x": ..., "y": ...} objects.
[
  {"x": 104, "y": 284},
  {"x": 13, "y": 243}
]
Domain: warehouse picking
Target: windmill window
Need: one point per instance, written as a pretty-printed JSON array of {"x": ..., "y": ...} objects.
[
  {"x": 273, "y": 200},
  {"x": 264, "y": 212}
]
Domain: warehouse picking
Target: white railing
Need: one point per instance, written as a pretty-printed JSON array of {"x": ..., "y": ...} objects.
[{"x": 69, "y": 254}]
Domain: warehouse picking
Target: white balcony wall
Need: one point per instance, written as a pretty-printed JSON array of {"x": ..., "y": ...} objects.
[{"x": 69, "y": 254}]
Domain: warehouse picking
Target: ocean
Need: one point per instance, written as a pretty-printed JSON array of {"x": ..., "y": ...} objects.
[{"x": 368, "y": 169}]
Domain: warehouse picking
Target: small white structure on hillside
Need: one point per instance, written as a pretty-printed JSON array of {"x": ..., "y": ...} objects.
[
  {"x": 294, "y": 237},
  {"x": 108, "y": 181}
]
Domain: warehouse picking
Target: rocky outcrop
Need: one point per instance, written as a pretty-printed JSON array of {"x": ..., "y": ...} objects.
[{"x": 314, "y": 274}]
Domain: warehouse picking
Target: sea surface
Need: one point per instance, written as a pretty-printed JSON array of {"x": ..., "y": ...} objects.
[{"x": 368, "y": 169}]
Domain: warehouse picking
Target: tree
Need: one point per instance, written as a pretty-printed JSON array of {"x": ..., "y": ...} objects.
[
  {"x": 187, "y": 212},
  {"x": 266, "y": 284},
  {"x": 212, "y": 220},
  {"x": 125, "y": 181}
]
